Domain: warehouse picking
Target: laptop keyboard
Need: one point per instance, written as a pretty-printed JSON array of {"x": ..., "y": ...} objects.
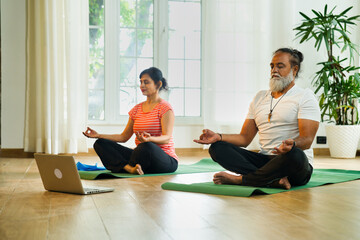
[{"x": 89, "y": 189}]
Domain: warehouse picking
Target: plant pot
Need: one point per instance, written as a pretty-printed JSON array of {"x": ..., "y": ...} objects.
[{"x": 343, "y": 140}]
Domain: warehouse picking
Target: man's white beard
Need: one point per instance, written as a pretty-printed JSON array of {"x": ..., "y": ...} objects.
[{"x": 278, "y": 84}]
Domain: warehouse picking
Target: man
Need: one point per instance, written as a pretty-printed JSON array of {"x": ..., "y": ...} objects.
[{"x": 287, "y": 119}]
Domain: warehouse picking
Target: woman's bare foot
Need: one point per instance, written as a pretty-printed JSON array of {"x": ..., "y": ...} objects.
[
  {"x": 134, "y": 170},
  {"x": 226, "y": 178},
  {"x": 282, "y": 183}
]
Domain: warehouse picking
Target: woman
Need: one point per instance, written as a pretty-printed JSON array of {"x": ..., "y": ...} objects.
[{"x": 152, "y": 121}]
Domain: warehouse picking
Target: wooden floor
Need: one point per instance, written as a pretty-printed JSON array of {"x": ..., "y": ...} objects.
[{"x": 140, "y": 209}]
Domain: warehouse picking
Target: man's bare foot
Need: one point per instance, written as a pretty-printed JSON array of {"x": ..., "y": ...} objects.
[
  {"x": 282, "y": 183},
  {"x": 139, "y": 169},
  {"x": 134, "y": 170},
  {"x": 226, "y": 178}
]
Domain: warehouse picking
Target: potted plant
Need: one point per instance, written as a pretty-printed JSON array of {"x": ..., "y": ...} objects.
[{"x": 338, "y": 81}]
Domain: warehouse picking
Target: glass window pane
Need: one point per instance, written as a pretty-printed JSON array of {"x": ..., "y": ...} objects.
[
  {"x": 176, "y": 73},
  {"x": 145, "y": 43},
  {"x": 127, "y": 13},
  {"x": 192, "y": 73},
  {"x": 145, "y": 14},
  {"x": 96, "y": 12},
  {"x": 142, "y": 64},
  {"x": 176, "y": 45},
  {"x": 192, "y": 102},
  {"x": 192, "y": 45},
  {"x": 96, "y": 105},
  {"x": 135, "y": 47},
  {"x": 176, "y": 99},
  {"x": 96, "y": 43},
  {"x": 127, "y": 99},
  {"x": 177, "y": 11},
  {"x": 184, "y": 52},
  {"x": 127, "y": 71},
  {"x": 127, "y": 42},
  {"x": 96, "y": 74},
  {"x": 176, "y": 15},
  {"x": 193, "y": 16}
]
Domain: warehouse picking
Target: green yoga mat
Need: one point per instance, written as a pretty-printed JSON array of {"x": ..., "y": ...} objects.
[
  {"x": 319, "y": 177},
  {"x": 204, "y": 165}
]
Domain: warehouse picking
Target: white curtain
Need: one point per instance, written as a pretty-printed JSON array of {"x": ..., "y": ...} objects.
[{"x": 57, "y": 75}]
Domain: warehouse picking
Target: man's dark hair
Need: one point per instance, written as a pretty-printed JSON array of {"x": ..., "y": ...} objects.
[{"x": 296, "y": 57}]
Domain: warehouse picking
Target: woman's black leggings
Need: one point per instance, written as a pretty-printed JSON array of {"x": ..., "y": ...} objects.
[
  {"x": 260, "y": 169},
  {"x": 149, "y": 155}
]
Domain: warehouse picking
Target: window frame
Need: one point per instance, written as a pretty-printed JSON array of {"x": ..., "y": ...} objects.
[{"x": 160, "y": 60}]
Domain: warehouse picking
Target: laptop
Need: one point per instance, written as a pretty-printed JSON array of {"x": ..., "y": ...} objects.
[{"x": 59, "y": 173}]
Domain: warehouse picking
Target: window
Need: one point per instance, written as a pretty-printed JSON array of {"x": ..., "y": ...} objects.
[
  {"x": 126, "y": 37},
  {"x": 96, "y": 60},
  {"x": 184, "y": 57},
  {"x": 135, "y": 50}
]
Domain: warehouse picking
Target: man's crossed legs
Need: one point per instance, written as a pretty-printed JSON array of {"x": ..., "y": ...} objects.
[{"x": 259, "y": 170}]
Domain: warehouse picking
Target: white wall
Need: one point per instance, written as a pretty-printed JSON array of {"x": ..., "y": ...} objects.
[{"x": 13, "y": 27}]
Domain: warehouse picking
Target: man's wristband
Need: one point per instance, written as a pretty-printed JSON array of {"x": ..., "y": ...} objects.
[{"x": 220, "y": 136}]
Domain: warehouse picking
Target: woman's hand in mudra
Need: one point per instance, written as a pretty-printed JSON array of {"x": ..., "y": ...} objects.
[
  {"x": 90, "y": 133},
  {"x": 143, "y": 136}
]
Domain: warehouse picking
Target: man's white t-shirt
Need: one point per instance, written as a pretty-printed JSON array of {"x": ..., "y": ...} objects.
[{"x": 296, "y": 104}]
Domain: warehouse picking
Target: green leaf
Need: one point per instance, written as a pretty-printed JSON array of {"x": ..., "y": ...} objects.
[
  {"x": 326, "y": 39},
  {"x": 331, "y": 12},
  {"x": 318, "y": 88},
  {"x": 306, "y": 17},
  {"x": 343, "y": 34},
  {"x": 354, "y": 18},
  {"x": 345, "y": 11},
  {"x": 316, "y": 13},
  {"x": 325, "y": 9},
  {"x": 319, "y": 43}
]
